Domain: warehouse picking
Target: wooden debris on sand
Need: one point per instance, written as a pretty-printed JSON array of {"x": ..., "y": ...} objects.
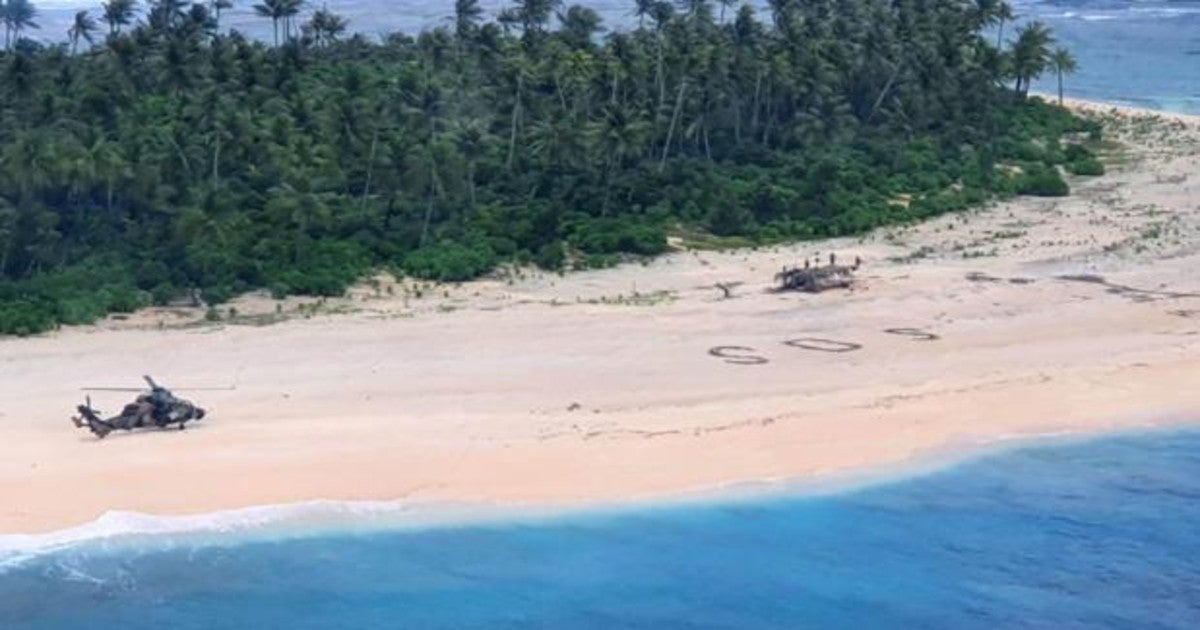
[{"x": 816, "y": 278}]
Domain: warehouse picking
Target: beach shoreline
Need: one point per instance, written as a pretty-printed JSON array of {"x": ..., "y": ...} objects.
[
  {"x": 1034, "y": 317},
  {"x": 117, "y": 530}
]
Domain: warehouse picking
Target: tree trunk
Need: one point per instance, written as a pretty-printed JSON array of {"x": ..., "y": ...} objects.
[
  {"x": 516, "y": 112},
  {"x": 187, "y": 166},
  {"x": 707, "y": 145},
  {"x": 562, "y": 97},
  {"x": 757, "y": 102},
  {"x": 662, "y": 164},
  {"x": 370, "y": 171},
  {"x": 737, "y": 118},
  {"x": 608, "y": 166},
  {"x": 216, "y": 160},
  {"x": 471, "y": 182},
  {"x": 766, "y": 139},
  {"x": 1060, "y": 90},
  {"x": 428, "y": 217},
  {"x": 662, "y": 80},
  {"x": 433, "y": 186},
  {"x": 883, "y": 93}
]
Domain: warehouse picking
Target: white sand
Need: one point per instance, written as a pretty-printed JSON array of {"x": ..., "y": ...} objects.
[{"x": 565, "y": 390}]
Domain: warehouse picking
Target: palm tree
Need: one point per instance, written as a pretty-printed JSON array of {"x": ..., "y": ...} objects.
[
  {"x": 324, "y": 27},
  {"x": 642, "y": 8},
  {"x": 618, "y": 137},
  {"x": 987, "y": 13},
  {"x": 18, "y": 15},
  {"x": 531, "y": 15},
  {"x": 291, "y": 8},
  {"x": 725, "y": 4},
  {"x": 165, "y": 14},
  {"x": 1002, "y": 13},
  {"x": 467, "y": 14},
  {"x": 1062, "y": 62},
  {"x": 274, "y": 9},
  {"x": 118, "y": 13},
  {"x": 1030, "y": 54},
  {"x": 469, "y": 139},
  {"x": 580, "y": 25},
  {"x": 82, "y": 28},
  {"x": 217, "y": 6}
]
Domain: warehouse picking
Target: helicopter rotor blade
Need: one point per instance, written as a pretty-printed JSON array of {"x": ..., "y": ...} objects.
[{"x": 142, "y": 389}]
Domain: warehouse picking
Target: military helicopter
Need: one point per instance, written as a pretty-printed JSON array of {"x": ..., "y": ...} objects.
[{"x": 156, "y": 407}]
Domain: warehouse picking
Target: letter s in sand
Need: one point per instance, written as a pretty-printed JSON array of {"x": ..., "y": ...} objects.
[{"x": 730, "y": 354}]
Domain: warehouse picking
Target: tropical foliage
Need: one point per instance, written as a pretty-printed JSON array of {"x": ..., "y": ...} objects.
[{"x": 171, "y": 157}]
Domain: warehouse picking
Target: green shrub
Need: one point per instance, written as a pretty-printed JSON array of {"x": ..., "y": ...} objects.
[
  {"x": 1088, "y": 166},
  {"x": 551, "y": 256},
  {"x": 23, "y": 318},
  {"x": 450, "y": 261},
  {"x": 729, "y": 220},
  {"x": 1043, "y": 182},
  {"x": 618, "y": 236},
  {"x": 1076, "y": 152}
]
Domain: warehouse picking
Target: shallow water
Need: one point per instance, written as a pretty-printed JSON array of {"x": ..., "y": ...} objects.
[
  {"x": 1136, "y": 52},
  {"x": 1098, "y": 534}
]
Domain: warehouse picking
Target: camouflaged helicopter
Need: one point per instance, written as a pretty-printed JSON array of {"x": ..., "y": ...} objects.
[{"x": 155, "y": 407}]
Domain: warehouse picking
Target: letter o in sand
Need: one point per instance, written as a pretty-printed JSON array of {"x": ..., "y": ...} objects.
[
  {"x": 916, "y": 333},
  {"x": 726, "y": 352},
  {"x": 822, "y": 345}
]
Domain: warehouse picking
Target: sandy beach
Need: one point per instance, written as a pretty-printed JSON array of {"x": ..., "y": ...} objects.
[{"x": 1029, "y": 317}]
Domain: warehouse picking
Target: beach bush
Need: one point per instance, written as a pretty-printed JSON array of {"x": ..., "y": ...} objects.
[
  {"x": 1088, "y": 166},
  {"x": 450, "y": 262},
  {"x": 1043, "y": 181},
  {"x": 23, "y": 318}
]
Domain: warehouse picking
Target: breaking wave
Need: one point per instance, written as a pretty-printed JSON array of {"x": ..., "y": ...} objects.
[{"x": 116, "y": 530}]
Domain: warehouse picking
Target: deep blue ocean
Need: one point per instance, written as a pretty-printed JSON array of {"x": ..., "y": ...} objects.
[
  {"x": 1134, "y": 52},
  {"x": 1096, "y": 534}
]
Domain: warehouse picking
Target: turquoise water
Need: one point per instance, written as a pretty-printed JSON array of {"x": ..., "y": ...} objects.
[
  {"x": 1136, "y": 52},
  {"x": 1103, "y": 533}
]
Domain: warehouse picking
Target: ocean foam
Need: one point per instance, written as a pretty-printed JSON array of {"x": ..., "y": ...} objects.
[{"x": 123, "y": 528}]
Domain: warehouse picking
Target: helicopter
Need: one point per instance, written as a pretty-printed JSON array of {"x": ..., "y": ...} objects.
[{"x": 156, "y": 407}]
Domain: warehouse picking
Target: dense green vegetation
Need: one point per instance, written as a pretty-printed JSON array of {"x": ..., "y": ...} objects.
[{"x": 166, "y": 157}]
